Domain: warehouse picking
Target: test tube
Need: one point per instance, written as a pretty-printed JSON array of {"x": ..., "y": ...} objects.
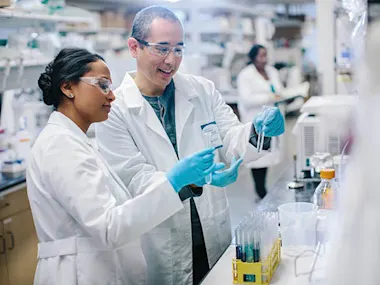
[
  {"x": 257, "y": 245},
  {"x": 238, "y": 242},
  {"x": 258, "y": 248},
  {"x": 258, "y": 142},
  {"x": 208, "y": 136},
  {"x": 249, "y": 245},
  {"x": 243, "y": 241},
  {"x": 260, "y": 139}
]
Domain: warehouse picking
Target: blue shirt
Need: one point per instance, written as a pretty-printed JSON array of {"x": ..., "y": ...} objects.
[{"x": 164, "y": 108}]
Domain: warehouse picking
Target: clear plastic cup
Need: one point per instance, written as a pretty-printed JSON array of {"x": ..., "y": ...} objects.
[{"x": 298, "y": 223}]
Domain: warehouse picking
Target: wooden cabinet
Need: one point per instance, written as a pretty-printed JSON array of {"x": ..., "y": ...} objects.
[
  {"x": 19, "y": 239},
  {"x": 3, "y": 260}
]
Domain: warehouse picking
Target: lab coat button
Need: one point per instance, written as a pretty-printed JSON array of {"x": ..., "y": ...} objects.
[{"x": 187, "y": 236}]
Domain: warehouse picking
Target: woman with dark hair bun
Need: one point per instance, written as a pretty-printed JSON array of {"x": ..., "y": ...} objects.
[
  {"x": 87, "y": 222},
  {"x": 259, "y": 84}
]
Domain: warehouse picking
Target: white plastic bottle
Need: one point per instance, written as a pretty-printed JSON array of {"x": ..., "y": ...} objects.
[{"x": 23, "y": 141}]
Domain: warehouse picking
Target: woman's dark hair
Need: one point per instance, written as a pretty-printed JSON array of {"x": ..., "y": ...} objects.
[
  {"x": 254, "y": 52},
  {"x": 68, "y": 66}
]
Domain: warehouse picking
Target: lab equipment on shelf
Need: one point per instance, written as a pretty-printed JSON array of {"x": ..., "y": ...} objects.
[
  {"x": 257, "y": 249},
  {"x": 325, "y": 194},
  {"x": 261, "y": 134}
]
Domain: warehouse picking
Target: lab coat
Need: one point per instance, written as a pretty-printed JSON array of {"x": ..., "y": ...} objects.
[
  {"x": 87, "y": 223},
  {"x": 137, "y": 146},
  {"x": 255, "y": 92}
]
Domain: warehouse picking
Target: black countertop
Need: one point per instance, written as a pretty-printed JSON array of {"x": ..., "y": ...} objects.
[
  {"x": 7, "y": 182},
  {"x": 280, "y": 194}
]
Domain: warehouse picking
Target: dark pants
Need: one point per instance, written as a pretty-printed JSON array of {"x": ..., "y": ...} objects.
[
  {"x": 200, "y": 260},
  {"x": 260, "y": 177}
]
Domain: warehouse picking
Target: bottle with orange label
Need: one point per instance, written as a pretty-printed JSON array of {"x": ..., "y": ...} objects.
[{"x": 324, "y": 196}]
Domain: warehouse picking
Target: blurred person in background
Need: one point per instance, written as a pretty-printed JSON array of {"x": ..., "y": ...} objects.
[{"x": 259, "y": 85}]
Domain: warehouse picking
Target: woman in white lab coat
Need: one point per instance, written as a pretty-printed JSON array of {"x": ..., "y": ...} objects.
[
  {"x": 259, "y": 85},
  {"x": 87, "y": 222}
]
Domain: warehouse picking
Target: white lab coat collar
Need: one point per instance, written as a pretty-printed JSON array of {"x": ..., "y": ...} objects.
[
  {"x": 134, "y": 99},
  {"x": 259, "y": 76},
  {"x": 184, "y": 93},
  {"x": 59, "y": 119}
]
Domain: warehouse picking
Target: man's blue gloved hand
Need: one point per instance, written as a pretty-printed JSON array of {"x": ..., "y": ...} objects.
[
  {"x": 191, "y": 169},
  {"x": 225, "y": 177},
  {"x": 270, "y": 121}
]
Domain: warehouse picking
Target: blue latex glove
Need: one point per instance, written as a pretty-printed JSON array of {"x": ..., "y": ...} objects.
[
  {"x": 270, "y": 121},
  {"x": 191, "y": 169},
  {"x": 225, "y": 177}
]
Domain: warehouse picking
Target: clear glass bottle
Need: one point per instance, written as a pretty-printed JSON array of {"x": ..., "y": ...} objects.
[{"x": 324, "y": 195}]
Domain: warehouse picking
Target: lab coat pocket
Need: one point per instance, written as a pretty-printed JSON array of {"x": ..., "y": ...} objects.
[
  {"x": 96, "y": 268},
  {"x": 157, "y": 247},
  {"x": 131, "y": 264}
]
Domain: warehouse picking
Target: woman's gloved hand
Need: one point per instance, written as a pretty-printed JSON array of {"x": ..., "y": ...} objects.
[
  {"x": 191, "y": 169},
  {"x": 225, "y": 177},
  {"x": 270, "y": 121}
]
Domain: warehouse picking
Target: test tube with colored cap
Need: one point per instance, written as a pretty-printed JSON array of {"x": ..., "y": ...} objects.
[{"x": 208, "y": 137}]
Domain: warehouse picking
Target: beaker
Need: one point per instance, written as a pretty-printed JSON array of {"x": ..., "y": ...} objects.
[{"x": 298, "y": 227}]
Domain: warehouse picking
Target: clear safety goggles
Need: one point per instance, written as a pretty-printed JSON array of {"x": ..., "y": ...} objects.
[
  {"x": 103, "y": 84},
  {"x": 163, "y": 50}
]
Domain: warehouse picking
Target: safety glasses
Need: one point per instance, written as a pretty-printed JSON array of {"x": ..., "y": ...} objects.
[
  {"x": 163, "y": 50},
  {"x": 103, "y": 84}
]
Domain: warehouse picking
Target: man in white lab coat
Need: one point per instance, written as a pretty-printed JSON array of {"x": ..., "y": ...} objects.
[{"x": 160, "y": 116}]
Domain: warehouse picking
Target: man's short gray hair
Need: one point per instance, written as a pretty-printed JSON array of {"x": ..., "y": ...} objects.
[{"x": 144, "y": 18}]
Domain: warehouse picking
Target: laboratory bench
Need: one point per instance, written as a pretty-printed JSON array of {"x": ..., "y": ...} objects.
[
  {"x": 18, "y": 239},
  {"x": 10, "y": 184},
  {"x": 221, "y": 273}
]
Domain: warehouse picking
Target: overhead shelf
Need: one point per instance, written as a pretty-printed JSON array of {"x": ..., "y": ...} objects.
[
  {"x": 225, "y": 32},
  {"x": 210, "y": 7},
  {"x": 15, "y": 18},
  {"x": 26, "y": 63},
  {"x": 284, "y": 23},
  {"x": 108, "y": 30},
  {"x": 32, "y": 70}
]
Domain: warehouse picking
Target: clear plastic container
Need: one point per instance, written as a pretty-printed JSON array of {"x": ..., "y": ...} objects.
[
  {"x": 324, "y": 195},
  {"x": 298, "y": 223},
  {"x": 208, "y": 138}
]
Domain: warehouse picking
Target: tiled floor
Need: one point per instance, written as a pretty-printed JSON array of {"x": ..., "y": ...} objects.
[{"x": 242, "y": 196}]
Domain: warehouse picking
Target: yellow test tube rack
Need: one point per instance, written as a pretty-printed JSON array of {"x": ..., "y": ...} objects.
[{"x": 258, "y": 273}]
